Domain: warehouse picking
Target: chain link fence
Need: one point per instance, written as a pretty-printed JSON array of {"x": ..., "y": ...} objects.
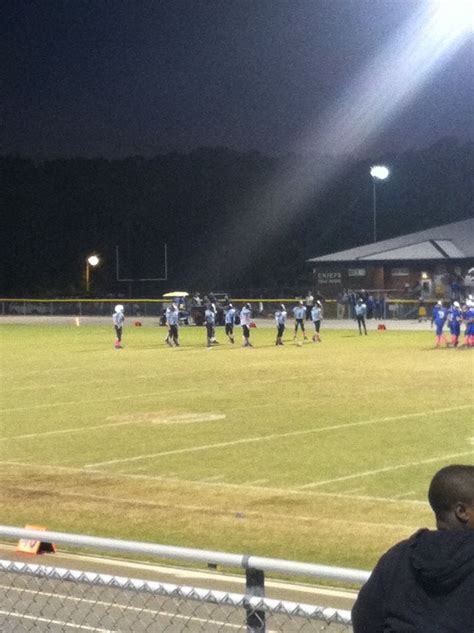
[
  {"x": 43, "y": 598},
  {"x": 393, "y": 308}
]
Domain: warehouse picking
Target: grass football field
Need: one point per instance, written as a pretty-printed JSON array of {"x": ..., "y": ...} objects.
[{"x": 320, "y": 453}]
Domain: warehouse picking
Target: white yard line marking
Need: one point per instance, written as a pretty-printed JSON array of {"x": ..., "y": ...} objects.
[
  {"x": 81, "y": 429},
  {"x": 71, "y": 625},
  {"x": 173, "y": 419},
  {"x": 49, "y": 371},
  {"x": 55, "y": 385},
  {"x": 404, "y": 494},
  {"x": 256, "y": 482},
  {"x": 262, "y": 438},
  {"x": 113, "y": 379},
  {"x": 213, "y": 478},
  {"x": 161, "y": 393},
  {"x": 200, "y": 483},
  {"x": 368, "y": 473}
]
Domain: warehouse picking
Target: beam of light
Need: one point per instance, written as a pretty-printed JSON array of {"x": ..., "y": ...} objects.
[
  {"x": 455, "y": 14},
  {"x": 392, "y": 78},
  {"x": 388, "y": 83}
]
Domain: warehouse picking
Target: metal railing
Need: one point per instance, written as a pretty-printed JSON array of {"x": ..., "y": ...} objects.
[{"x": 44, "y": 598}]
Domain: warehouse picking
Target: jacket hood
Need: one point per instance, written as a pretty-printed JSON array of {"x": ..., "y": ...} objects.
[{"x": 442, "y": 559}]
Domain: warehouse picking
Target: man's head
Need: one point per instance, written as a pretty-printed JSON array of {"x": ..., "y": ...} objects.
[{"x": 451, "y": 496}]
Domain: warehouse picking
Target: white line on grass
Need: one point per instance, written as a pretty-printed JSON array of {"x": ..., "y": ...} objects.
[
  {"x": 257, "y": 482},
  {"x": 48, "y": 371},
  {"x": 368, "y": 473},
  {"x": 162, "y": 393},
  {"x": 213, "y": 478},
  {"x": 202, "y": 482},
  {"x": 273, "y": 436},
  {"x": 191, "y": 418}
]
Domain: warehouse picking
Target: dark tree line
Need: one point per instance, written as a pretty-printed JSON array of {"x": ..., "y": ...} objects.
[{"x": 231, "y": 220}]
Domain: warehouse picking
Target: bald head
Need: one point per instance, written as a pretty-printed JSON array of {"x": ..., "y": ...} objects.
[{"x": 451, "y": 496}]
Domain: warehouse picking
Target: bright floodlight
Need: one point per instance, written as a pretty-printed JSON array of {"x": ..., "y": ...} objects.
[
  {"x": 380, "y": 172},
  {"x": 93, "y": 260},
  {"x": 455, "y": 14}
]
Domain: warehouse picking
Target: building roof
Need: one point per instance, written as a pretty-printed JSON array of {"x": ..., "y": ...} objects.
[{"x": 449, "y": 241}]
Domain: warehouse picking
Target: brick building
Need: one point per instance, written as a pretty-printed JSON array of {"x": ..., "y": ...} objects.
[{"x": 437, "y": 262}]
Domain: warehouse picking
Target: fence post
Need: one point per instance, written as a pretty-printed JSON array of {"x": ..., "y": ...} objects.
[{"x": 255, "y": 586}]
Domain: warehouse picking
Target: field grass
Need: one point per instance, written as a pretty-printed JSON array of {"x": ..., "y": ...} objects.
[{"x": 321, "y": 453}]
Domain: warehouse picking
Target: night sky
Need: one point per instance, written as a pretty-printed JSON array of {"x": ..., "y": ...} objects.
[{"x": 121, "y": 77}]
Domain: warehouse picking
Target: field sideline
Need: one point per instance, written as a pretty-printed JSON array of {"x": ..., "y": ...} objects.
[{"x": 320, "y": 453}]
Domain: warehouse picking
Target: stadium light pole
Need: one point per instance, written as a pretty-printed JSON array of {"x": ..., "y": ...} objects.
[
  {"x": 92, "y": 260},
  {"x": 378, "y": 172}
]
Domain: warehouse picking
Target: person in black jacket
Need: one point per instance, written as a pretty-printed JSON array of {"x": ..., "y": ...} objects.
[{"x": 425, "y": 584}]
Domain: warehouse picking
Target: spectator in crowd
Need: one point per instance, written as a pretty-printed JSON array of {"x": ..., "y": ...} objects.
[
  {"x": 245, "y": 318},
  {"x": 280, "y": 321},
  {"x": 118, "y": 318},
  {"x": 172, "y": 321},
  {"x": 352, "y": 304},
  {"x": 370, "y": 307},
  {"x": 319, "y": 296},
  {"x": 364, "y": 295},
  {"x": 309, "y": 303},
  {"x": 210, "y": 322},
  {"x": 360, "y": 312},
  {"x": 196, "y": 300},
  {"x": 342, "y": 304},
  {"x": 438, "y": 318},
  {"x": 457, "y": 287},
  {"x": 347, "y": 304},
  {"x": 425, "y": 584},
  {"x": 316, "y": 317},
  {"x": 421, "y": 310},
  {"x": 229, "y": 320},
  {"x": 299, "y": 312},
  {"x": 378, "y": 307}
]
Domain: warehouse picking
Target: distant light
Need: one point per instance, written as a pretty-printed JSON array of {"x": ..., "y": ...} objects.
[
  {"x": 380, "y": 172},
  {"x": 424, "y": 275},
  {"x": 93, "y": 260}
]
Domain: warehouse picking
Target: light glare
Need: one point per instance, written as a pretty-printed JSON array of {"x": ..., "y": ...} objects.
[
  {"x": 93, "y": 260},
  {"x": 380, "y": 172},
  {"x": 455, "y": 14}
]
